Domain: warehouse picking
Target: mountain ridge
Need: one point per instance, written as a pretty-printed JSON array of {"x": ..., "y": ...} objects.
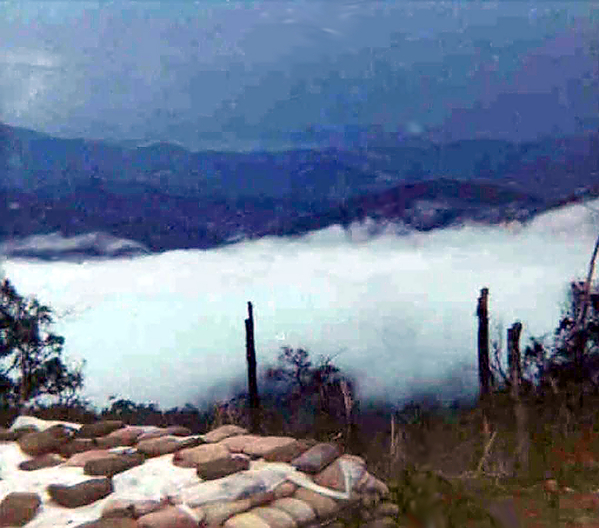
[{"x": 165, "y": 197}]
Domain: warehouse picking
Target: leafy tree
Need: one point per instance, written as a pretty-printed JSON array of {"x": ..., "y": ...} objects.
[
  {"x": 576, "y": 346},
  {"x": 31, "y": 353},
  {"x": 570, "y": 361},
  {"x": 126, "y": 410},
  {"x": 293, "y": 371},
  {"x": 122, "y": 407},
  {"x": 316, "y": 389}
]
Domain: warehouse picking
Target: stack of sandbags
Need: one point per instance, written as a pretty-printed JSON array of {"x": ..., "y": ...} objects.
[{"x": 109, "y": 474}]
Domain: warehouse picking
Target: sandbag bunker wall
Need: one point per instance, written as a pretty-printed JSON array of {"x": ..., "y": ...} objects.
[{"x": 109, "y": 474}]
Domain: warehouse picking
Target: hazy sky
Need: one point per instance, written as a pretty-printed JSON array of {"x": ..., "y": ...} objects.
[
  {"x": 399, "y": 311},
  {"x": 245, "y": 74}
]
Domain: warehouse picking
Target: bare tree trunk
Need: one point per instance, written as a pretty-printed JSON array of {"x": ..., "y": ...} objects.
[
  {"x": 586, "y": 297},
  {"x": 348, "y": 403},
  {"x": 514, "y": 360},
  {"x": 24, "y": 336},
  {"x": 515, "y": 367},
  {"x": 23, "y": 385},
  {"x": 252, "y": 379},
  {"x": 484, "y": 371},
  {"x": 577, "y": 337},
  {"x": 29, "y": 330}
]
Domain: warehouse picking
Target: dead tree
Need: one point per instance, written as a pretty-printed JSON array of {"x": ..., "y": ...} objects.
[
  {"x": 254, "y": 401},
  {"x": 484, "y": 369},
  {"x": 514, "y": 359},
  {"x": 577, "y": 339},
  {"x": 515, "y": 370}
]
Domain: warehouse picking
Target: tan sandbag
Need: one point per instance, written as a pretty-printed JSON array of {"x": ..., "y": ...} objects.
[
  {"x": 80, "y": 459},
  {"x": 159, "y": 446},
  {"x": 126, "y": 436},
  {"x": 191, "y": 457},
  {"x": 80, "y": 494},
  {"x": 237, "y": 443},
  {"x": 224, "y": 431},
  {"x": 77, "y": 445},
  {"x": 317, "y": 458},
  {"x": 216, "y": 513},
  {"x": 169, "y": 517},
  {"x": 288, "y": 452},
  {"x": 158, "y": 433},
  {"x": 43, "y": 442},
  {"x": 325, "y": 507},
  {"x": 333, "y": 476},
  {"x": 178, "y": 430},
  {"x": 131, "y": 508},
  {"x": 219, "y": 468},
  {"x": 41, "y": 462},
  {"x": 301, "y": 511},
  {"x": 285, "y": 489},
  {"x": 116, "y": 522},
  {"x": 101, "y": 428},
  {"x": 18, "y": 508},
  {"x": 267, "y": 444},
  {"x": 6, "y": 435},
  {"x": 112, "y": 465},
  {"x": 275, "y": 518},
  {"x": 246, "y": 520}
]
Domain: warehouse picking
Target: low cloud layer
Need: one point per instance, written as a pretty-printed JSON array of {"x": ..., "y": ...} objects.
[{"x": 398, "y": 312}]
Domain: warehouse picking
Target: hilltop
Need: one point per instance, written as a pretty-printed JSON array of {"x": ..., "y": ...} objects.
[{"x": 161, "y": 197}]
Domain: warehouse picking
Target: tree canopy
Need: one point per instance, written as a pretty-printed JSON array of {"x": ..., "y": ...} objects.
[
  {"x": 31, "y": 363},
  {"x": 323, "y": 387}
]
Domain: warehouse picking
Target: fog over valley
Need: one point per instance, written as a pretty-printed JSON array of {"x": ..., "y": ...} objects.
[
  {"x": 398, "y": 312},
  {"x": 357, "y": 170}
]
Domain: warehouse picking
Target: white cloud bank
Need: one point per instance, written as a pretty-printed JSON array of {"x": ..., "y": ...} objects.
[{"x": 400, "y": 311}]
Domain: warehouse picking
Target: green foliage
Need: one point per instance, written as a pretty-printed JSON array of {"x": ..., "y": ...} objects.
[
  {"x": 564, "y": 349},
  {"x": 123, "y": 408},
  {"x": 551, "y": 363},
  {"x": 428, "y": 499},
  {"x": 299, "y": 377},
  {"x": 31, "y": 352},
  {"x": 312, "y": 393}
]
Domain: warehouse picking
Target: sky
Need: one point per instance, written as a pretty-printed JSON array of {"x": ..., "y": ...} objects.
[
  {"x": 247, "y": 75},
  {"x": 397, "y": 312}
]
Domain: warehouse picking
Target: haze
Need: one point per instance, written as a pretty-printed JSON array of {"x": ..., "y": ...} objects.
[{"x": 397, "y": 311}]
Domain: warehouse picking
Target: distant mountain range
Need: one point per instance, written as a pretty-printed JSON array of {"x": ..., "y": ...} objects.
[{"x": 161, "y": 196}]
